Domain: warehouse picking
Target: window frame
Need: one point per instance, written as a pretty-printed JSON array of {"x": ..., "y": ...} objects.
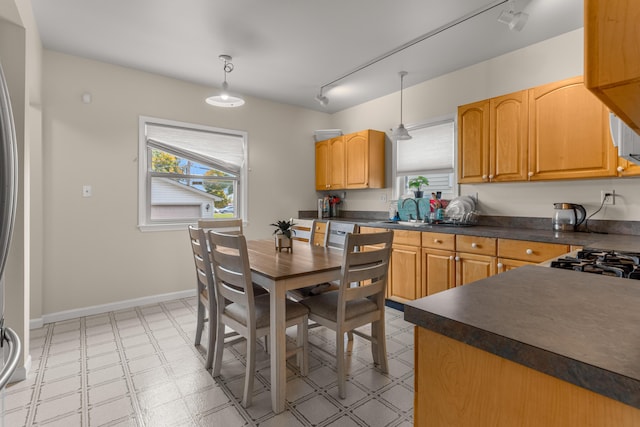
[
  {"x": 145, "y": 174},
  {"x": 397, "y": 189}
]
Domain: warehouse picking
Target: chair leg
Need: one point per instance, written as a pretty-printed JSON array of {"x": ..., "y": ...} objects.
[
  {"x": 350, "y": 336},
  {"x": 379, "y": 346},
  {"x": 303, "y": 346},
  {"x": 200, "y": 322},
  {"x": 213, "y": 327},
  {"x": 340, "y": 363},
  {"x": 250, "y": 372},
  {"x": 219, "y": 345}
]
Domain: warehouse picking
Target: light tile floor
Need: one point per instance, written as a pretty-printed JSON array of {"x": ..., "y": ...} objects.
[{"x": 139, "y": 367}]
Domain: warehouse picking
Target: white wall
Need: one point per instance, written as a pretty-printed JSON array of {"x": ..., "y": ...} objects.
[
  {"x": 550, "y": 60},
  {"x": 94, "y": 252}
]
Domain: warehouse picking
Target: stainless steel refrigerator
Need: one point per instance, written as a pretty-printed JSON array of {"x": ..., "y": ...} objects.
[{"x": 9, "y": 341}]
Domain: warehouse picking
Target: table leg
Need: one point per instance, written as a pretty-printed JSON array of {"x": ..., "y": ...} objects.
[{"x": 278, "y": 348}]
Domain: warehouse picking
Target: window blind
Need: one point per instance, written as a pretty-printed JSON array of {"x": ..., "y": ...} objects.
[{"x": 431, "y": 149}]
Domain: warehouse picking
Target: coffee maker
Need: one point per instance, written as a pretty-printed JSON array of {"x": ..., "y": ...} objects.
[{"x": 567, "y": 216}]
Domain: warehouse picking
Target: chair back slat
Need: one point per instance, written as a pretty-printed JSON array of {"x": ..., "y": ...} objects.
[
  {"x": 227, "y": 226},
  {"x": 201, "y": 258}
]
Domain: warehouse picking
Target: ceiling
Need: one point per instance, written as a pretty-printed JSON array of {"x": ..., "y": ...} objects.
[{"x": 285, "y": 50}]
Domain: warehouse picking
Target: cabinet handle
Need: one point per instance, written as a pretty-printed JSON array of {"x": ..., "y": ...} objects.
[
  {"x": 328, "y": 186},
  {"x": 474, "y": 245},
  {"x": 457, "y": 258},
  {"x": 451, "y": 258},
  {"x": 529, "y": 252},
  {"x": 620, "y": 169},
  {"x": 491, "y": 176},
  {"x": 530, "y": 174},
  {"x": 484, "y": 177},
  {"x": 436, "y": 241},
  {"x": 500, "y": 265}
]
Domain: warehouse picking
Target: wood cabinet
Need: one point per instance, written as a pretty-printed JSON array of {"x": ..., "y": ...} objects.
[
  {"x": 612, "y": 56},
  {"x": 351, "y": 161},
  {"x": 330, "y": 164},
  {"x": 516, "y": 253},
  {"x": 405, "y": 267},
  {"x": 438, "y": 262},
  {"x": 492, "y": 138},
  {"x": 550, "y": 132},
  {"x": 475, "y": 258},
  {"x": 569, "y": 133},
  {"x": 319, "y": 233},
  {"x": 365, "y": 159}
]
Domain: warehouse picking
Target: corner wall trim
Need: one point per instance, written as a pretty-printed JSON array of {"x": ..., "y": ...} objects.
[{"x": 105, "y": 308}]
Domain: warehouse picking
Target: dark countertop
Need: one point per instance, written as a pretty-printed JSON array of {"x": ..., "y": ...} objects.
[
  {"x": 594, "y": 240},
  {"x": 578, "y": 327}
]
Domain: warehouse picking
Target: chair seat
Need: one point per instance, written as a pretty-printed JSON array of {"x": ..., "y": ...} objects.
[
  {"x": 326, "y": 305},
  {"x": 239, "y": 313}
]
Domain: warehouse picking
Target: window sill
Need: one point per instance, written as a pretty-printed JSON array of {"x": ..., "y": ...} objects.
[{"x": 165, "y": 227}]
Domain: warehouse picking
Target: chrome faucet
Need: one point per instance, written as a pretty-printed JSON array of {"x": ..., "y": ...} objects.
[{"x": 415, "y": 202}]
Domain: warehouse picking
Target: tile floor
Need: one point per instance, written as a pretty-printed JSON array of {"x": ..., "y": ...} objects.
[{"x": 139, "y": 367}]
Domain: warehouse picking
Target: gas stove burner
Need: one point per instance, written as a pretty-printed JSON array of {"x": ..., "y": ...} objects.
[{"x": 600, "y": 261}]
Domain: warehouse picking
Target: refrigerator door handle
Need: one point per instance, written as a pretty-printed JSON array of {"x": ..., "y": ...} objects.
[{"x": 13, "y": 340}]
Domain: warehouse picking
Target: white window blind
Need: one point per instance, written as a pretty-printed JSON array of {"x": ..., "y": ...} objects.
[{"x": 431, "y": 149}]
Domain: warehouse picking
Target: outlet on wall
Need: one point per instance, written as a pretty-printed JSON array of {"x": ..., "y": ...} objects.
[{"x": 608, "y": 196}]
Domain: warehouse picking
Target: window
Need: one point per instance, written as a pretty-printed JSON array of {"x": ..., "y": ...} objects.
[
  {"x": 188, "y": 172},
  {"x": 431, "y": 153}
]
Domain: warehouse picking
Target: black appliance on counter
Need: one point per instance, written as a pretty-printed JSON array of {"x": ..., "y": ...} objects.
[{"x": 601, "y": 261}]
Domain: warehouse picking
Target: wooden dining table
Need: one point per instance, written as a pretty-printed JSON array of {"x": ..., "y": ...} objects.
[{"x": 279, "y": 272}]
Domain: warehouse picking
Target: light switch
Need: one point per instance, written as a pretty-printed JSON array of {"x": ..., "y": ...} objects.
[{"x": 86, "y": 191}]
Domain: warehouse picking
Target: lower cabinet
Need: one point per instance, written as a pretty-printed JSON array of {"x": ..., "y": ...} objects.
[
  {"x": 516, "y": 253},
  {"x": 405, "y": 267},
  {"x": 475, "y": 258},
  {"x": 438, "y": 262}
]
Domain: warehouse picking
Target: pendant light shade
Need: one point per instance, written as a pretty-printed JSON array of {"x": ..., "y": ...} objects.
[
  {"x": 401, "y": 132},
  {"x": 225, "y": 99}
]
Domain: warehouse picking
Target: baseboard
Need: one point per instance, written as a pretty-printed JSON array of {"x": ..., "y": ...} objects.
[
  {"x": 105, "y": 308},
  {"x": 20, "y": 374}
]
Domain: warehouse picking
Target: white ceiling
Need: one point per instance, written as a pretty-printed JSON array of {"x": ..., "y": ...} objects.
[{"x": 285, "y": 50}]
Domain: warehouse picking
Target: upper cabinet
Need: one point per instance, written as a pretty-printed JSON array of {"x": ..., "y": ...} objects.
[
  {"x": 612, "y": 56},
  {"x": 569, "y": 133},
  {"x": 351, "y": 161},
  {"x": 492, "y": 138},
  {"x": 550, "y": 132}
]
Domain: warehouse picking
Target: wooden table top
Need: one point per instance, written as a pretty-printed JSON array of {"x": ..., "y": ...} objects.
[{"x": 305, "y": 259}]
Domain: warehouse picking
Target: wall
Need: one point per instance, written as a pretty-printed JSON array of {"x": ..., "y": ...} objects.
[
  {"x": 550, "y": 60},
  {"x": 94, "y": 252}
]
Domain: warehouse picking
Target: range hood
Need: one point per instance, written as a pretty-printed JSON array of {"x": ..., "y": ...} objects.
[{"x": 625, "y": 138}]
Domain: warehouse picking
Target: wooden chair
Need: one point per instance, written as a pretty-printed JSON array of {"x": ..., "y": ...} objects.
[
  {"x": 206, "y": 292},
  {"x": 247, "y": 314},
  {"x": 348, "y": 308}
]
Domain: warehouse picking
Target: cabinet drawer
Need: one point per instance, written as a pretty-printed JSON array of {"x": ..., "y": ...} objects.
[
  {"x": 439, "y": 240},
  {"x": 364, "y": 230},
  {"x": 404, "y": 237},
  {"x": 476, "y": 245},
  {"x": 530, "y": 251}
]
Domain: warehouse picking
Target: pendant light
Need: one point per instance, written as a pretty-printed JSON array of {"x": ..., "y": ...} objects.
[
  {"x": 225, "y": 99},
  {"x": 401, "y": 133}
]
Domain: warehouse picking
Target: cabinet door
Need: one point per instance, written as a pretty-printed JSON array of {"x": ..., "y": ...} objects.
[
  {"x": 473, "y": 142},
  {"x": 612, "y": 56},
  {"x": 506, "y": 264},
  {"x": 365, "y": 159},
  {"x": 322, "y": 164},
  {"x": 438, "y": 271},
  {"x": 472, "y": 267},
  {"x": 508, "y": 155},
  {"x": 569, "y": 133},
  {"x": 336, "y": 163},
  {"x": 404, "y": 280}
]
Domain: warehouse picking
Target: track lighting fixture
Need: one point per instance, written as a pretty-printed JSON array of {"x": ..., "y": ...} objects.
[
  {"x": 323, "y": 100},
  {"x": 225, "y": 99},
  {"x": 514, "y": 19}
]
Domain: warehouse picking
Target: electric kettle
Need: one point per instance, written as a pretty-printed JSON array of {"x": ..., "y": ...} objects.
[{"x": 567, "y": 216}]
